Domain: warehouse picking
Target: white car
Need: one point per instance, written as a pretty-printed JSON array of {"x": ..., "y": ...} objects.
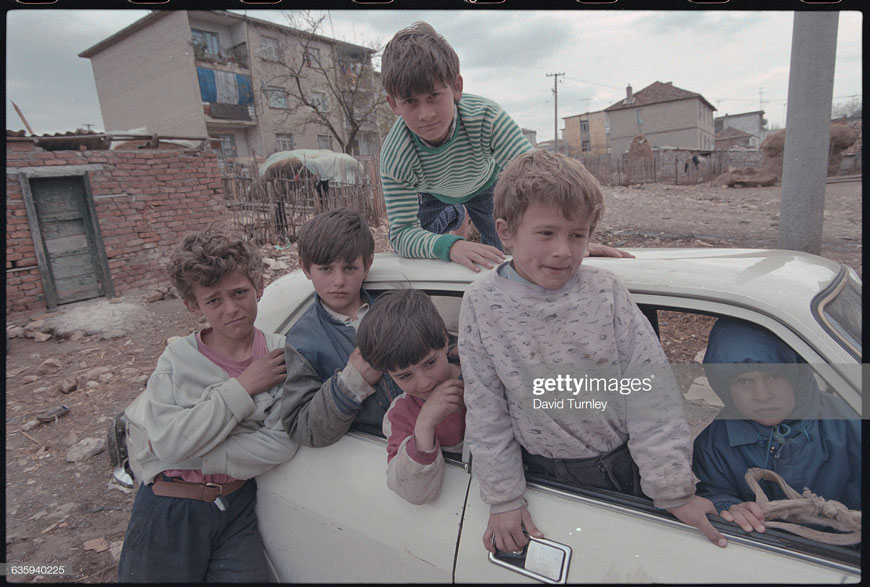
[{"x": 328, "y": 516}]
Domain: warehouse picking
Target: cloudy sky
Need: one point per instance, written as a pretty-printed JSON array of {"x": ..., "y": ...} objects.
[{"x": 739, "y": 61}]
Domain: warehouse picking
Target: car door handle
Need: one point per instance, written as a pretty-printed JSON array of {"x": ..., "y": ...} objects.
[{"x": 541, "y": 559}]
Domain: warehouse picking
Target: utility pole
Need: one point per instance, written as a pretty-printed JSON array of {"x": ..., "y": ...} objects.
[
  {"x": 555, "y": 77},
  {"x": 808, "y": 131}
]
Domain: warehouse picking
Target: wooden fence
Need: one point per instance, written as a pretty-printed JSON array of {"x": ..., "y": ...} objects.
[
  {"x": 674, "y": 166},
  {"x": 273, "y": 209}
]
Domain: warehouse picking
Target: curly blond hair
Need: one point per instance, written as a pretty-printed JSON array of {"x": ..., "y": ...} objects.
[{"x": 204, "y": 257}]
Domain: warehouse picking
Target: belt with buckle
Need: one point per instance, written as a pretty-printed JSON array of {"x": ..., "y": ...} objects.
[{"x": 207, "y": 492}]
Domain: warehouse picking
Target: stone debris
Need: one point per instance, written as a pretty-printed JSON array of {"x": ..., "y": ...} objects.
[
  {"x": 33, "y": 326},
  {"x": 68, "y": 385},
  {"x": 85, "y": 449},
  {"x": 129, "y": 372},
  {"x": 50, "y": 365},
  {"x": 30, "y": 425},
  {"x": 29, "y": 379},
  {"x": 275, "y": 264},
  {"x": 42, "y": 336},
  {"x": 96, "y": 372},
  {"x": 97, "y": 545}
]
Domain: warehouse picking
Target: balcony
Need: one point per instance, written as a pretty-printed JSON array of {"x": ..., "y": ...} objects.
[
  {"x": 236, "y": 55},
  {"x": 229, "y": 115}
]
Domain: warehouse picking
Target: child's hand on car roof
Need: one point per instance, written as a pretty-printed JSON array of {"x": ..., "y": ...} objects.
[
  {"x": 599, "y": 250},
  {"x": 473, "y": 254}
]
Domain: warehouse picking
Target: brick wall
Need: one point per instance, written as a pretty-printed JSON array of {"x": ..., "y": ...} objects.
[{"x": 145, "y": 201}]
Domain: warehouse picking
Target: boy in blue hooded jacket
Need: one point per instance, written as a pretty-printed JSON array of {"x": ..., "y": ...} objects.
[{"x": 776, "y": 418}]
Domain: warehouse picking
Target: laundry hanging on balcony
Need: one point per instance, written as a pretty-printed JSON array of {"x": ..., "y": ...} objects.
[{"x": 224, "y": 87}]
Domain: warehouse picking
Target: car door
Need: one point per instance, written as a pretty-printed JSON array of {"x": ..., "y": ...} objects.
[
  {"x": 327, "y": 515},
  {"x": 615, "y": 538}
]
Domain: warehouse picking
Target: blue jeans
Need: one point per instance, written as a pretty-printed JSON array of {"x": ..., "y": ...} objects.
[
  {"x": 440, "y": 218},
  {"x": 172, "y": 539}
]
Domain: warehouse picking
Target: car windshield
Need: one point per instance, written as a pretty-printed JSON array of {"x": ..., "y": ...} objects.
[{"x": 842, "y": 314}]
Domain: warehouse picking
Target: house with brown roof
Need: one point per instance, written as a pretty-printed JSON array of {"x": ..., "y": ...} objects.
[
  {"x": 730, "y": 137},
  {"x": 666, "y": 115}
]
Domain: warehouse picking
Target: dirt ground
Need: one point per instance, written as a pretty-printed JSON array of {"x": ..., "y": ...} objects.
[{"x": 74, "y": 514}]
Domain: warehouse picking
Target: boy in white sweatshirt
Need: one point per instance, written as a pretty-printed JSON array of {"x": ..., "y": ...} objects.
[{"x": 212, "y": 422}]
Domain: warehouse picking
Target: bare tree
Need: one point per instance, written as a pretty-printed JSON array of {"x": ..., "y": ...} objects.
[
  {"x": 847, "y": 108},
  {"x": 327, "y": 82}
]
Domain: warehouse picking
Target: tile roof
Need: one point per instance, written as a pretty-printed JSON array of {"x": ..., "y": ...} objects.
[
  {"x": 731, "y": 132},
  {"x": 655, "y": 93}
]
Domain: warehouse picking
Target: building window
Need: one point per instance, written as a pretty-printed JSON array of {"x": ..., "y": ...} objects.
[
  {"x": 639, "y": 115},
  {"x": 367, "y": 143},
  {"x": 585, "y": 147},
  {"x": 206, "y": 41},
  {"x": 312, "y": 56},
  {"x": 283, "y": 142},
  {"x": 319, "y": 101},
  {"x": 324, "y": 142},
  {"x": 584, "y": 126},
  {"x": 277, "y": 97},
  {"x": 228, "y": 145},
  {"x": 269, "y": 49}
]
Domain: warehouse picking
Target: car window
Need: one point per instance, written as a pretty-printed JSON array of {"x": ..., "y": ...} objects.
[
  {"x": 839, "y": 311},
  {"x": 684, "y": 337}
]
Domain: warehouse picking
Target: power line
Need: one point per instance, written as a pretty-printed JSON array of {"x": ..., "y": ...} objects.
[{"x": 574, "y": 79}]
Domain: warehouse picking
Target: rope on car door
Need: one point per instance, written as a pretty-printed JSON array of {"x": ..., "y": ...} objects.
[{"x": 805, "y": 508}]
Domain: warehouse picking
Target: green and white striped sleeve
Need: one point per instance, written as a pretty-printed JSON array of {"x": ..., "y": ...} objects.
[{"x": 406, "y": 235}]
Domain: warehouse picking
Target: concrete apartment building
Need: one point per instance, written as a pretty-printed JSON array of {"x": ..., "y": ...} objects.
[
  {"x": 752, "y": 123},
  {"x": 586, "y": 134},
  {"x": 730, "y": 137},
  {"x": 226, "y": 76},
  {"x": 666, "y": 115}
]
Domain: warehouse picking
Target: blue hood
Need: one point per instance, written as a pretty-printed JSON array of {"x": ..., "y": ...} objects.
[{"x": 736, "y": 346}]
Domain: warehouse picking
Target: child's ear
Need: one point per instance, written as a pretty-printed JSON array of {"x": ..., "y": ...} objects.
[
  {"x": 457, "y": 88},
  {"x": 260, "y": 288},
  {"x": 392, "y": 102},
  {"x": 504, "y": 232},
  {"x": 306, "y": 271},
  {"x": 193, "y": 307},
  {"x": 366, "y": 266}
]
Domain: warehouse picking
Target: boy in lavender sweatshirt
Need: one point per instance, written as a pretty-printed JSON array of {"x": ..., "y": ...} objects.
[{"x": 541, "y": 313}]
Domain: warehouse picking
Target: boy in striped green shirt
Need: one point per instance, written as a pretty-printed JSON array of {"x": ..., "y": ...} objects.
[{"x": 443, "y": 155}]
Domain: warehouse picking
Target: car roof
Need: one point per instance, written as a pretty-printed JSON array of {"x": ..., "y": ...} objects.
[
  {"x": 779, "y": 283},
  {"x": 778, "y": 277}
]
